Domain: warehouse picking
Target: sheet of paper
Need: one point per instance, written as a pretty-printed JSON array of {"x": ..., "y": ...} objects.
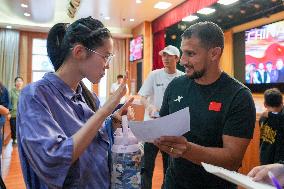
[
  {"x": 234, "y": 177},
  {"x": 175, "y": 124}
]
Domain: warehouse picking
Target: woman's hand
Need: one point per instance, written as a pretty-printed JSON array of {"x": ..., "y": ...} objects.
[
  {"x": 113, "y": 101},
  {"x": 126, "y": 109},
  {"x": 260, "y": 173}
]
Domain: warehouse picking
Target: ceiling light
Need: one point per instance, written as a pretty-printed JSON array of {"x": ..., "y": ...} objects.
[
  {"x": 227, "y": 2},
  {"x": 230, "y": 16},
  {"x": 190, "y": 18},
  {"x": 8, "y": 27},
  {"x": 131, "y": 19},
  {"x": 257, "y": 6},
  {"x": 162, "y": 5},
  {"x": 24, "y": 5},
  {"x": 206, "y": 11},
  {"x": 138, "y": 1},
  {"x": 27, "y": 14},
  {"x": 107, "y": 18},
  {"x": 242, "y": 11}
]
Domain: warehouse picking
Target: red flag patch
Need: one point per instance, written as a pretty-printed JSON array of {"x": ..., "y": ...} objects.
[{"x": 215, "y": 106}]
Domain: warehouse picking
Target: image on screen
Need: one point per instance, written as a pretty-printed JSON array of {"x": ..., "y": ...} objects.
[
  {"x": 264, "y": 54},
  {"x": 136, "y": 48}
]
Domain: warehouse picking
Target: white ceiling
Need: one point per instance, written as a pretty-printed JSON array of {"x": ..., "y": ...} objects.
[{"x": 45, "y": 13}]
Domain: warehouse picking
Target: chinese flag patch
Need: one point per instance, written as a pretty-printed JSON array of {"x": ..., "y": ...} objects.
[{"x": 215, "y": 106}]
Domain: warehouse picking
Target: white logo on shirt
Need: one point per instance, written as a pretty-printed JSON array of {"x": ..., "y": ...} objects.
[{"x": 178, "y": 98}]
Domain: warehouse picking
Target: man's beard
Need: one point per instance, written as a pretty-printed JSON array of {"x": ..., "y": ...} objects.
[{"x": 197, "y": 74}]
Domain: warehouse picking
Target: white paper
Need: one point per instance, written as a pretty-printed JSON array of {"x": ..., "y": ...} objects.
[
  {"x": 175, "y": 124},
  {"x": 234, "y": 177}
]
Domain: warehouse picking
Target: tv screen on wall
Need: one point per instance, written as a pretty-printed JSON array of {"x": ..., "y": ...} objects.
[
  {"x": 136, "y": 48},
  {"x": 264, "y": 54}
]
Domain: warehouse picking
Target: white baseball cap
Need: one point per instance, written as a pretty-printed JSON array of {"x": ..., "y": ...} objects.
[{"x": 171, "y": 50}]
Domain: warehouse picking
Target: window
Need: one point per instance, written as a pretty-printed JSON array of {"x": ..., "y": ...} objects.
[{"x": 40, "y": 61}]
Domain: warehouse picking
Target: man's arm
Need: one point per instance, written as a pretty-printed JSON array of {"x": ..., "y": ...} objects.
[
  {"x": 145, "y": 91},
  {"x": 229, "y": 156},
  {"x": 148, "y": 106},
  {"x": 4, "y": 110}
]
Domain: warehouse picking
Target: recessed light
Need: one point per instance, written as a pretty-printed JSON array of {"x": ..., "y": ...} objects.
[
  {"x": 243, "y": 11},
  {"x": 27, "y": 14},
  {"x": 190, "y": 18},
  {"x": 107, "y": 18},
  {"x": 138, "y": 1},
  {"x": 8, "y": 27},
  {"x": 257, "y": 6},
  {"x": 24, "y": 5},
  {"x": 230, "y": 16},
  {"x": 162, "y": 5},
  {"x": 131, "y": 19},
  {"x": 227, "y": 2},
  {"x": 206, "y": 11}
]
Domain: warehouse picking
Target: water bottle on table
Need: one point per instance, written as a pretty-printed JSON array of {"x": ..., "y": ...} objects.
[{"x": 126, "y": 159}]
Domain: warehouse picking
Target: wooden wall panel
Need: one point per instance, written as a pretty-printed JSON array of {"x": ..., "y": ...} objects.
[
  {"x": 226, "y": 62},
  {"x": 144, "y": 29},
  {"x": 25, "y": 61}
]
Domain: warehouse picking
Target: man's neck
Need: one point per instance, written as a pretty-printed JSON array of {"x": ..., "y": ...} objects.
[
  {"x": 209, "y": 79},
  {"x": 170, "y": 70}
]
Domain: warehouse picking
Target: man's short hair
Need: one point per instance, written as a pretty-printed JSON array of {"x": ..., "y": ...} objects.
[
  {"x": 119, "y": 76},
  {"x": 273, "y": 97},
  {"x": 209, "y": 34}
]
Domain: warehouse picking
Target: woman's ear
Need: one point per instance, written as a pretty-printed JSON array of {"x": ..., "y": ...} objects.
[{"x": 79, "y": 52}]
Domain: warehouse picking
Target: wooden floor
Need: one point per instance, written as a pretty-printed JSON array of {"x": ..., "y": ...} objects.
[
  {"x": 13, "y": 178},
  {"x": 11, "y": 168}
]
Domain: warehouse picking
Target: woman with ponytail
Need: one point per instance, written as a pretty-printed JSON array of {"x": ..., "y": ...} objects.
[{"x": 63, "y": 136}]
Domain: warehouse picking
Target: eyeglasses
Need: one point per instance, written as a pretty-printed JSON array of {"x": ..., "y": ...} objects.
[{"x": 107, "y": 58}]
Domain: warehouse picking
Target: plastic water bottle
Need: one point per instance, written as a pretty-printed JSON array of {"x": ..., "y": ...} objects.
[{"x": 126, "y": 159}]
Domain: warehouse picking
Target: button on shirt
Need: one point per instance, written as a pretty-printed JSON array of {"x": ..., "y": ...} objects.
[{"x": 49, "y": 113}]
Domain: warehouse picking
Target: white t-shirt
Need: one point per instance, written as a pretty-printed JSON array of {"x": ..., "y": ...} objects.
[
  {"x": 114, "y": 87},
  {"x": 155, "y": 85}
]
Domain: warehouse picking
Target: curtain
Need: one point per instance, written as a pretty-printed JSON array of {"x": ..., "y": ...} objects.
[
  {"x": 178, "y": 13},
  {"x": 118, "y": 63},
  {"x": 9, "y": 56},
  {"x": 158, "y": 45}
]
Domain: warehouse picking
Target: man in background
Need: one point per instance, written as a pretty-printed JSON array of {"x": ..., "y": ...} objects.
[
  {"x": 152, "y": 92},
  {"x": 271, "y": 125},
  {"x": 115, "y": 86}
]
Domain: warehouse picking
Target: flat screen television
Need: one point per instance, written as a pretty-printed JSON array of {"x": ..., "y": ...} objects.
[
  {"x": 264, "y": 54},
  {"x": 136, "y": 48}
]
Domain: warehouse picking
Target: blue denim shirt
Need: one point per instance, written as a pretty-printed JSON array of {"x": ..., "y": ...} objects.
[
  {"x": 49, "y": 114},
  {"x": 4, "y": 101}
]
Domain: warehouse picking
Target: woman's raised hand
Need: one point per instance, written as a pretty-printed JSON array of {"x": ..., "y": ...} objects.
[{"x": 113, "y": 101}]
